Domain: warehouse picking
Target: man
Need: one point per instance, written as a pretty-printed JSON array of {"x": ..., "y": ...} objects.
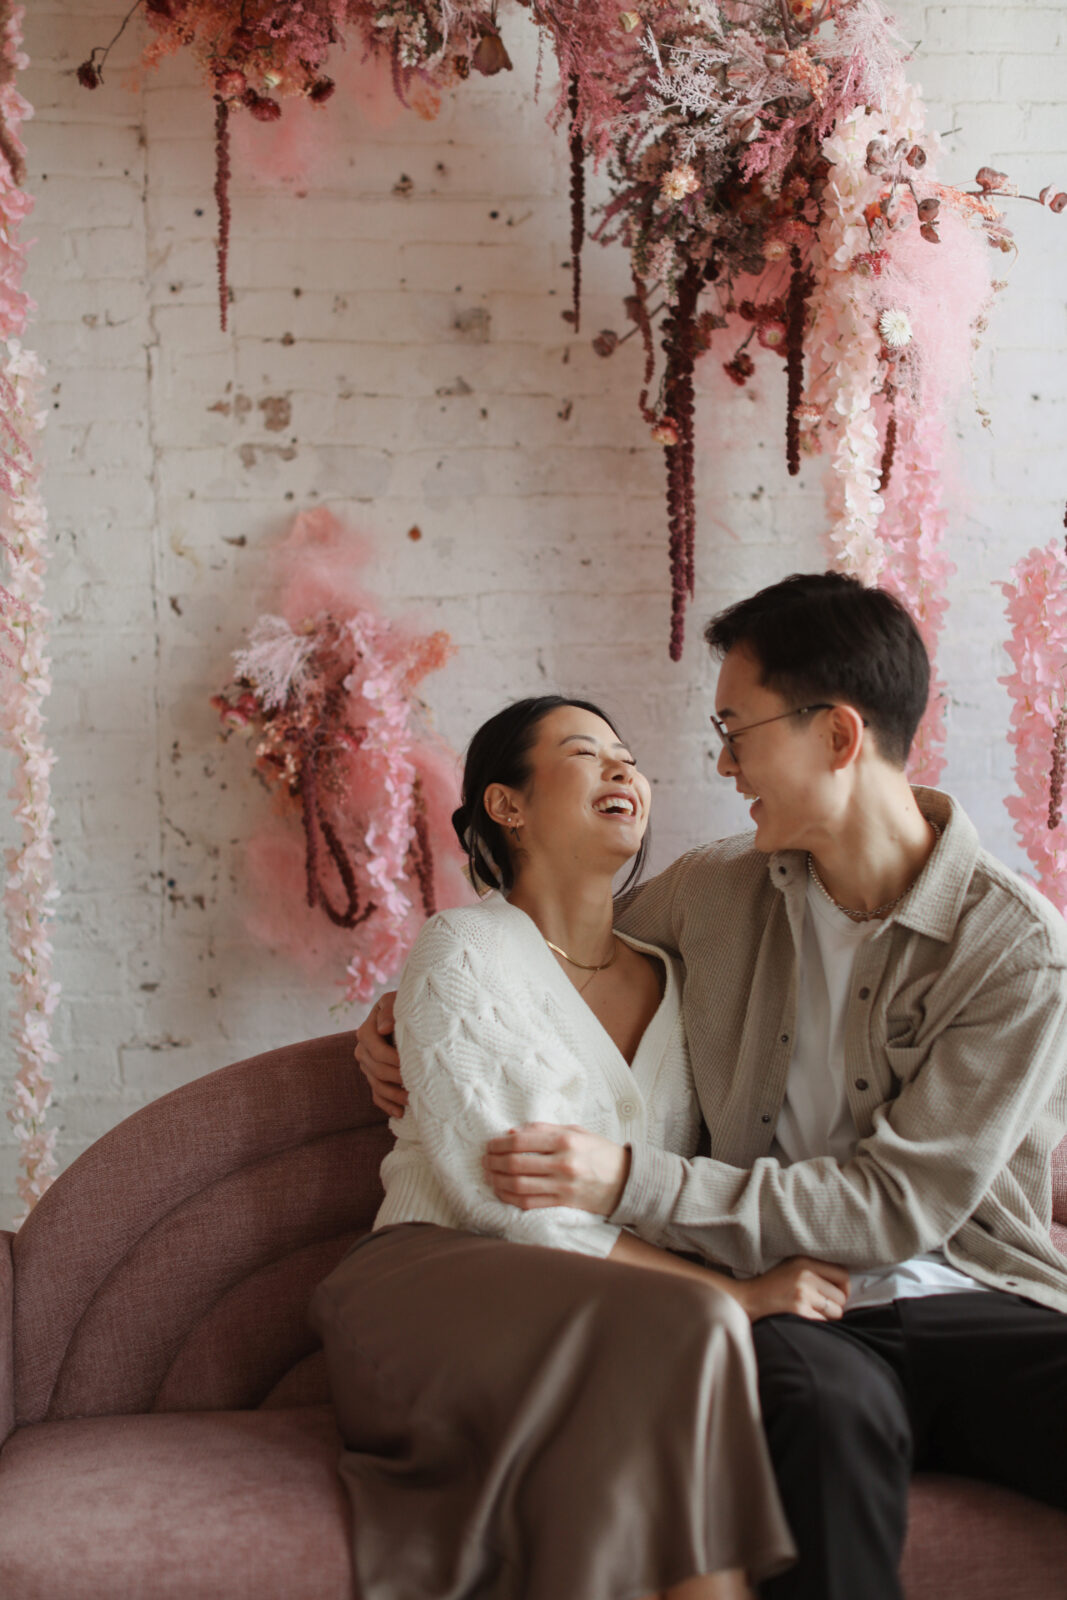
[{"x": 875, "y": 1011}]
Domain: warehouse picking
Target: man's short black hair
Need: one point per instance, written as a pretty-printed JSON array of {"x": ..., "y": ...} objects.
[{"x": 826, "y": 636}]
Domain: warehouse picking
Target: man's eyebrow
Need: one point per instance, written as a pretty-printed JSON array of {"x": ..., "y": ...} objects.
[
  {"x": 724, "y": 713},
  {"x": 590, "y": 738}
]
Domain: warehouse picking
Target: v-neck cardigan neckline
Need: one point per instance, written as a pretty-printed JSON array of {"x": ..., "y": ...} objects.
[{"x": 622, "y": 1076}]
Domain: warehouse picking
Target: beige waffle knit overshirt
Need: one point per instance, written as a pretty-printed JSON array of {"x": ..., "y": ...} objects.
[{"x": 956, "y": 1064}]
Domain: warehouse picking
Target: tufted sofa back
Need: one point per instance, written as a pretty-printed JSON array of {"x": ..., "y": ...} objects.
[{"x": 169, "y": 1268}]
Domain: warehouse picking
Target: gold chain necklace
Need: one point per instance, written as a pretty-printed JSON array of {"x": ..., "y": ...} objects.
[
  {"x": 879, "y": 911},
  {"x": 584, "y": 965}
]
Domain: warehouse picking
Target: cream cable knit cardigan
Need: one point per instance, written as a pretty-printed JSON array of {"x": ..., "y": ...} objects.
[{"x": 492, "y": 1034}]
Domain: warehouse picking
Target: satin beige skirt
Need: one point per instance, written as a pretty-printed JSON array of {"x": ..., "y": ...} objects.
[{"x": 534, "y": 1424}]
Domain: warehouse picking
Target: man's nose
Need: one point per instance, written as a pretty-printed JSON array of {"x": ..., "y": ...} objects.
[{"x": 726, "y": 766}]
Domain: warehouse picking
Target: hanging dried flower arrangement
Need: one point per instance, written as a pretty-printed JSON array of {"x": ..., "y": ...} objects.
[
  {"x": 329, "y": 695},
  {"x": 769, "y": 157}
]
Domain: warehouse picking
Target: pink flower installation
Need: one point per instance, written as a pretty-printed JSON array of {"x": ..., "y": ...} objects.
[
  {"x": 327, "y": 688},
  {"x": 773, "y": 143},
  {"x": 1037, "y": 611},
  {"x": 29, "y": 888}
]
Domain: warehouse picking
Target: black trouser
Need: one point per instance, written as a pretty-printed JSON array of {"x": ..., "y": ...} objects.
[{"x": 973, "y": 1384}]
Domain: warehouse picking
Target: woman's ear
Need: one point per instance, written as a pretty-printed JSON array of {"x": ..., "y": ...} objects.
[
  {"x": 847, "y": 732},
  {"x": 503, "y": 806}
]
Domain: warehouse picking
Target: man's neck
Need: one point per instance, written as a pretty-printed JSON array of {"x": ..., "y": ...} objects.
[{"x": 878, "y": 848}]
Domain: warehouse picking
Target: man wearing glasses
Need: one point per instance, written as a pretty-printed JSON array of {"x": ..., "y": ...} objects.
[{"x": 876, "y": 1014}]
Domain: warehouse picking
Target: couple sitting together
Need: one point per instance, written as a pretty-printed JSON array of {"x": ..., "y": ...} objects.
[{"x": 719, "y": 1206}]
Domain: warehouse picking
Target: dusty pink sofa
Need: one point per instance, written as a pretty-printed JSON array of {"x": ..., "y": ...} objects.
[{"x": 163, "y": 1409}]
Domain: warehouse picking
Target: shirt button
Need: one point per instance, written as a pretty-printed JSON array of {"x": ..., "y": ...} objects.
[
  {"x": 785, "y": 1038},
  {"x": 765, "y": 1119},
  {"x": 782, "y": 871},
  {"x": 865, "y": 993},
  {"x": 861, "y": 1084}
]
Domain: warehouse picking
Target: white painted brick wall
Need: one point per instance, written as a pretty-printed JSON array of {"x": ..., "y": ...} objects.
[{"x": 417, "y": 341}]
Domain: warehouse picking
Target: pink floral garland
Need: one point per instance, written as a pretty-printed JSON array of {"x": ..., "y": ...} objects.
[
  {"x": 30, "y": 890},
  {"x": 329, "y": 688},
  {"x": 1037, "y": 611},
  {"x": 890, "y": 344}
]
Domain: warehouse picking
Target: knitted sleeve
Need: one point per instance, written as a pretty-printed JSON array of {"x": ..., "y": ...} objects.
[{"x": 480, "y": 1056}]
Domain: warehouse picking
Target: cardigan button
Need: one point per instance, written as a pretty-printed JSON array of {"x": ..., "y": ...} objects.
[
  {"x": 627, "y": 1109},
  {"x": 861, "y": 1084}
]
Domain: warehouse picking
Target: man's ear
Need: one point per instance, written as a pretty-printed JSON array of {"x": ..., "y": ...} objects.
[
  {"x": 847, "y": 733},
  {"x": 503, "y": 805}
]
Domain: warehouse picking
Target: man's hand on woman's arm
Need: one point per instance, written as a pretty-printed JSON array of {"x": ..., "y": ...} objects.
[{"x": 378, "y": 1060}]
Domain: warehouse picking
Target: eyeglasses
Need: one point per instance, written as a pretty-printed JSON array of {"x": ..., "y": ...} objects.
[{"x": 728, "y": 738}]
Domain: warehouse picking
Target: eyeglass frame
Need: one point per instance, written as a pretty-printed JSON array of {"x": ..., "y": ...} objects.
[{"x": 797, "y": 711}]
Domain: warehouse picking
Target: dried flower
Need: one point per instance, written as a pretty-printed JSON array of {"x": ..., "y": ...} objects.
[
  {"x": 989, "y": 180},
  {"x": 679, "y": 182},
  {"x": 930, "y": 233},
  {"x": 771, "y": 335},
  {"x": 490, "y": 56},
  {"x": 774, "y": 249},
  {"x": 321, "y": 90},
  {"x": 895, "y": 329},
  {"x": 928, "y": 209},
  {"x": 231, "y": 85},
  {"x": 916, "y": 156},
  {"x": 628, "y": 21},
  {"x": 605, "y": 342},
  {"x": 88, "y": 76},
  {"x": 263, "y": 108},
  {"x": 665, "y": 432},
  {"x": 1058, "y": 203},
  {"x": 740, "y": 369}
]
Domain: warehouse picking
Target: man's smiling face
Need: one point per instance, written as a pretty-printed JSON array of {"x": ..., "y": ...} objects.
[{"x": 784, "y": 766}]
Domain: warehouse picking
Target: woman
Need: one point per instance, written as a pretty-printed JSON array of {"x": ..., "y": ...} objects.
[{"x": 526, "y": 1422}]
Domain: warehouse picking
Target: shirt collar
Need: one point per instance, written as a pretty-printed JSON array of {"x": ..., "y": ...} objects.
[{"x": 936, "y": 899}]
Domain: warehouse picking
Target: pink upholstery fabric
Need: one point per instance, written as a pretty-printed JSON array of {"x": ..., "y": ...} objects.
[
  {"x": 182, "y": 1225},
  {"x": 976, "y": 1542},
  {"x": 7, "y": 1352},
  {"x": 243, "y": 1505}
]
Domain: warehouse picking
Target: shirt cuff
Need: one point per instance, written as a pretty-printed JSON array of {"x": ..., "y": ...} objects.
[{"x": 652, "y": 1186}]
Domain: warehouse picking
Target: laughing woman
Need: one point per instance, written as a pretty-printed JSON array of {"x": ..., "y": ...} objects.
[{"x": 536, "y": 1404}]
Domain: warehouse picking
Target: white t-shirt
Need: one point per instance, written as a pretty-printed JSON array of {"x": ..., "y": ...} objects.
[{"x": 815, "y": 1119}]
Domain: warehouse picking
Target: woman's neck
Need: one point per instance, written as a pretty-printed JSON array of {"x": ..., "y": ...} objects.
[{"x": 575, "y": 912}]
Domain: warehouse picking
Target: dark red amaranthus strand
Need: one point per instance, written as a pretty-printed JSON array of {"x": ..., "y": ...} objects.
[
  {"x": 800, "y": 286},
  {"x": 577, "y": 203},
  {"x": 422, "y": 855},
  {"x": 888, "y": 452},
  {"x": 639, "y": 303},
  {"x": 315, "y": 821},
  {"x": 680, "y": 350},
  {"x": 222, "y": 199},
  {"x": 1059, "y": 761}
]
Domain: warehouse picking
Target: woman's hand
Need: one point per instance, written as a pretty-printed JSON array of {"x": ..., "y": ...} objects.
[
  {"x": 816, "y": 1290},
  {"x": 378, "y": 1060}
]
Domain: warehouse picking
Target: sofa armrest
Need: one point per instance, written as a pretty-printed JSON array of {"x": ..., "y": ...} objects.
[{"x": 7, "y": 1338}]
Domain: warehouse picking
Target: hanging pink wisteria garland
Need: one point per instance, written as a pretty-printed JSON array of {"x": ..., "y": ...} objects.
[
  {"x": 1037, "y": 611},
  {"x": 30, "y": 889}
]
